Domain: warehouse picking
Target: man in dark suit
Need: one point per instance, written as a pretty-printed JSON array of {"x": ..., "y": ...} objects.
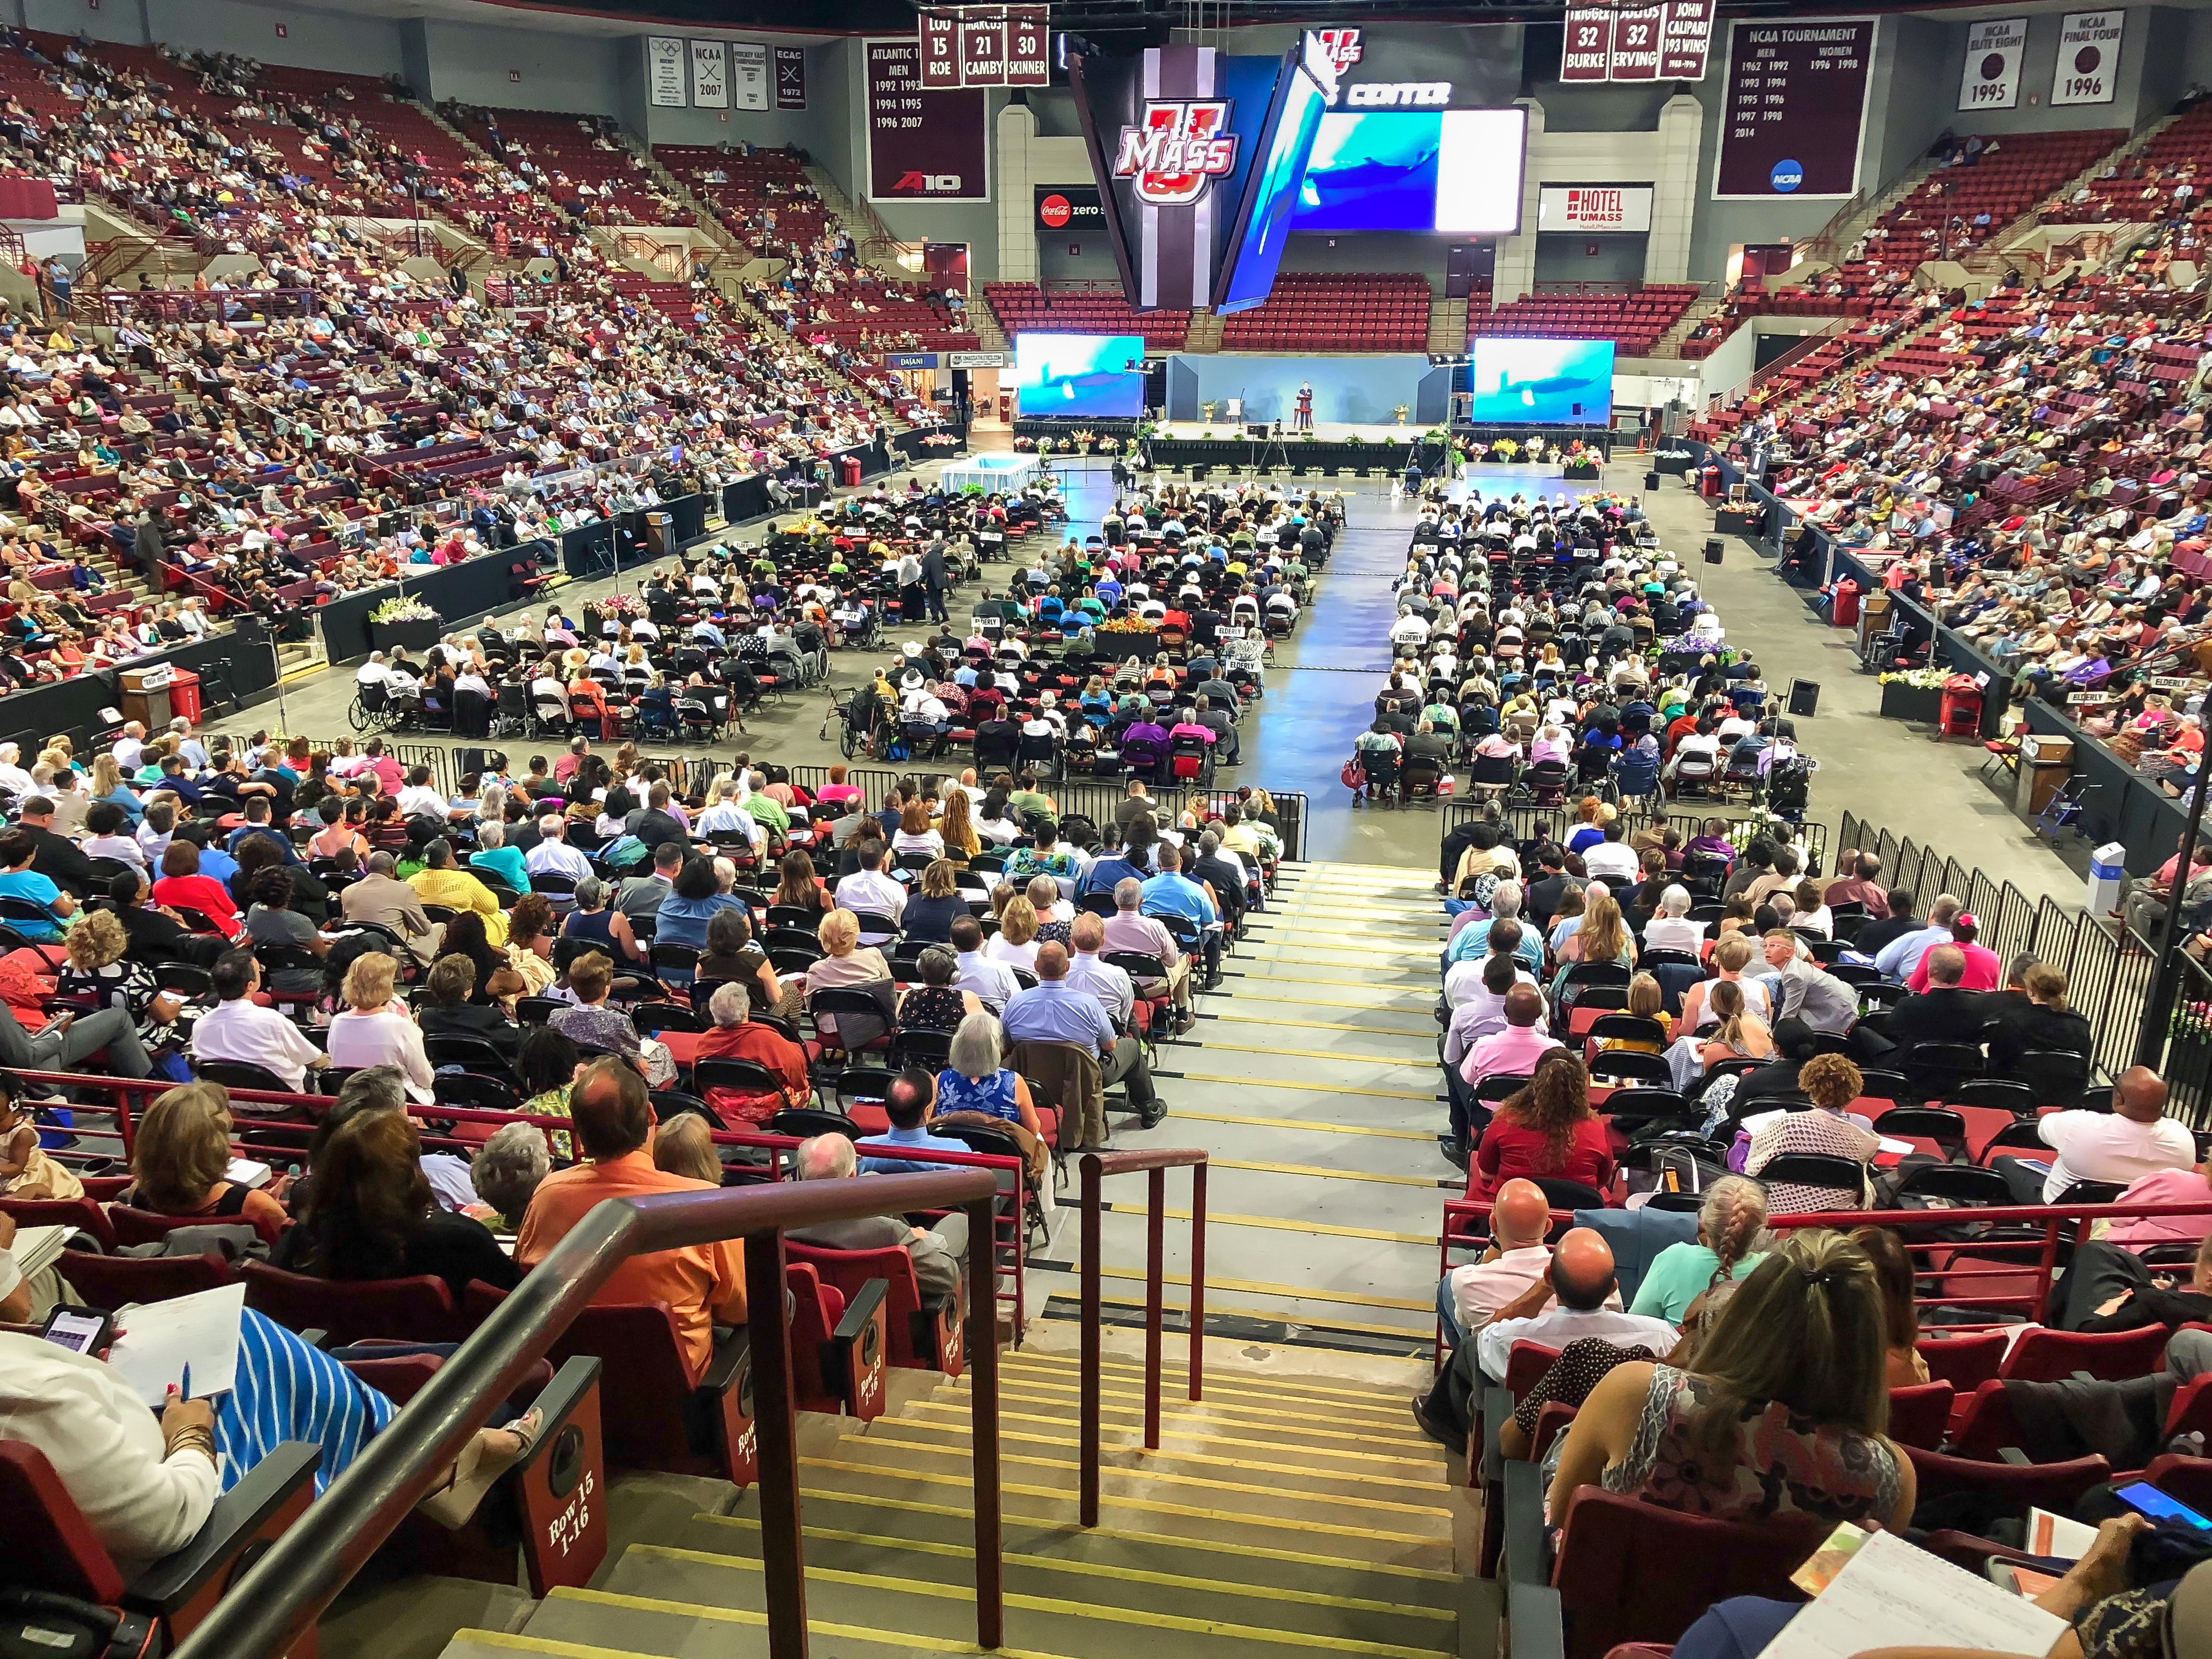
[
  {"x": 933, "y": 578},
  {"x": 1943, "y": 1012}
]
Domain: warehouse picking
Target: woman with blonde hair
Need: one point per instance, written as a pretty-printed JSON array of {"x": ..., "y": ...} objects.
[
  {"x": 1782, "y": 1410},
  {"x": 1831, "y": 1082},
  {"x": 378, "y": 1029},
  {"x": 847, "y": 965},
  {"x": 958, "y": 826},
  {"x": 100, "y": 966},
  {"x": 180, "y": 1163},
  {"x": 1015, "y": 942},
  {"x": 1646, "y": 1001},
  {"x": 1731, "y": 956},
  {"x": 1602, "y": 937},
  {"x": 107, "y": 785}
]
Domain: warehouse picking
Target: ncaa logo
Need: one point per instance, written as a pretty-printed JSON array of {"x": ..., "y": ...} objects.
[
  {"x": 1176, "y": 147},
  {"x": 1341, "y": 45},
  {"x": 1786, "y": 176}
]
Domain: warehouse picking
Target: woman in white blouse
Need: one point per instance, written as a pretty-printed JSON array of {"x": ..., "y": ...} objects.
[{"x": 376, "y": 1029}]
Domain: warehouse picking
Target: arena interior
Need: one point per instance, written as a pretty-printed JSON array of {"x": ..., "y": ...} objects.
[{"x": 929, "y": 828}]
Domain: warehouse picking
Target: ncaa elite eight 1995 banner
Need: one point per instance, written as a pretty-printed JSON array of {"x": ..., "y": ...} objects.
[{"x": 922, "y": 146}]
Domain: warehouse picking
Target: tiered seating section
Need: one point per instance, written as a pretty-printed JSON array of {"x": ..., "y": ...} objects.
[
  {"x": 1635, "y": 321},
  {"x": 1315, "y": 311},
  {"x": 761, "y": 197},
  {"x": 581, "y": 163},
  {"x": 1023, "y": 308},
  {"x": 1978, "y": 195}
]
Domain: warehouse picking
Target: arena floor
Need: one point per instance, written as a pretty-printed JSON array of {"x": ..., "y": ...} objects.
[{"x": 1321, "y": 689}]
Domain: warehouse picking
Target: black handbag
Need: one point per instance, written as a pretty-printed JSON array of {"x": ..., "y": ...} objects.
[{"x": 41, "y": 1625}]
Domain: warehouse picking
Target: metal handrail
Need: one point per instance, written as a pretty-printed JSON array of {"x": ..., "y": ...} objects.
[
  {"x": 1096, "y": 1167},
  {"x": 277, "y": 1602}
]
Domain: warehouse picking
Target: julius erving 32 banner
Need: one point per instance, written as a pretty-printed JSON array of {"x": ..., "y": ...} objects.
[{"x": 1198, "y": 157}]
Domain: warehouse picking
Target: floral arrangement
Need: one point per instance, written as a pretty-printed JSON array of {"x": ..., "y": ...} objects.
[
  {"x": 621, "y": 605},
  {"x": 1208, "y": 407},
  {"x": 1125, "y": 625},
  {"x": 1025, "y": 444},
  {"x": 1401, "y": 411},
  {"x": 1506, "y": 449},
  {"x": 1080, "y": 442},
  {"x": 941, "y": 441},
  {"x": 403, "y": 610},
  {"x": 1921, "y": 679},
  {"x": 2192, "y": 1021}
]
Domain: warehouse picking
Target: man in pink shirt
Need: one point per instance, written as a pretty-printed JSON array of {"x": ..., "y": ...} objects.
[
  {"x": 2189, "y": 1185},
  {"x": 1984, "y": 972},
  {"x": 1512, "y": 1052},
  {"x": 1472, "y": 1293}
]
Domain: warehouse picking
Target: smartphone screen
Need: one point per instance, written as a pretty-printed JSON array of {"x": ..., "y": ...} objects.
[
  {"x": 2147, "y": 1499},
  {"x": 77, "y": 1332}
]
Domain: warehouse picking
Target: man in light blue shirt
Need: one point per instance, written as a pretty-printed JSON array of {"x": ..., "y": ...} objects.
[
  {"x": 1171, "y": 892},
  {"x": 1058, "y": 1010},
  {"x": 1897, "y": 958},
  {"x": 906, "y": 1103},
  {"x": 1471, "y": 942}
]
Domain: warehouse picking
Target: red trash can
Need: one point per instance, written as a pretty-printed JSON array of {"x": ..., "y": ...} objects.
[
  {"x": 1709, "y": 483},
  {"x": 1961, "y": 715},
  {"x": 1844, "y": 613},
  {"x": 851, "y": 465},
  {"x": 185, "y": 696}
]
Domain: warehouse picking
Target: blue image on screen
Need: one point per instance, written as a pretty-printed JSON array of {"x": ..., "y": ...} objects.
[
  {"x": 1074, "y": 375},
  {"x": 1542, "y": 382},
  {"x": 1372, "y": 172}
]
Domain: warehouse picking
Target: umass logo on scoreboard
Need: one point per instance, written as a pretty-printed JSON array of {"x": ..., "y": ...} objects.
[{"x": 1175, "y": 149}]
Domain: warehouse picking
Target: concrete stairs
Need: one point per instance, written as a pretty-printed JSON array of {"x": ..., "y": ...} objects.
[
  {"x": 1205, "y": 333},
  {"x": 871, "y": 240},
  {"x": 1287, "y": 1513},
  {"x": 1670, "y": 342},
  {"x": 1447, "y": 325}
]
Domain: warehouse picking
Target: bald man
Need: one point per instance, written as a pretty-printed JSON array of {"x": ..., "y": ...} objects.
[
  {"x": 1470, "y": 1295},
  {"x": 1580, "y": 1278},
  {"x": 2133, "y": 1138}
]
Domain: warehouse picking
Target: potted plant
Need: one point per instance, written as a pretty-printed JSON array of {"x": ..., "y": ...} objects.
[
  {"x": 401, "y": 622},
  {"x": 1401, "y": 411},
  {"x": 1914, "y": 695}
]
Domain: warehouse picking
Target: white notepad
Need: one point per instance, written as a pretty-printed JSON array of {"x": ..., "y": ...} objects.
[
  {"x": 37, "y": 1249},
  {"x": 1891, "y": 1594},
  {"x": 159, "y": 1338}
]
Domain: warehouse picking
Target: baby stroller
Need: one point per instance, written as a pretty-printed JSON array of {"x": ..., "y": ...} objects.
[{"x": 1789, "y": 786}]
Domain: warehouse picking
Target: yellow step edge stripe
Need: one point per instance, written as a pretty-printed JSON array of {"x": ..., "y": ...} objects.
[
  {"x": 1261, "y": 1287},
  {"x": 1264, "y": 1410},
  {"x": 1223, "y": 1310},
  {"x": 1424, "y": 1058},
  {"x": 1320, "y": 1172},
  {"x": 1218, "y": 1547},
  {"x": 957, "y": 1409},
  {"x": 1144, "y": 1506},
  {"x": 1168, "y": 1477},
  {"x": 1211, "y": 1460},
  {"x": 1052, "y": 1605},
  {"x": 1216, "y": 1377},
  {"x": 1427, "y": 1005},
  {"x": 1210, "y": 1413},
  {"x": 1404, "y": 952},
  {"x": 1100, "y": 1570},
  {"x": 1325, "y": 1024},
  {"x": 1247, "y": 964},
  {"x": 745, "y": 1616},
  {"x": 1302, "y": 1123},
  {"x": 1283, "y": 1225}
]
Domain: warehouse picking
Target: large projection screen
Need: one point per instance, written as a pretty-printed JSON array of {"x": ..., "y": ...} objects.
[
  {"x": 1541, "y": 382},
  {"x": 1070, "y": 376},
  {"x": 1456, "y": 172}
]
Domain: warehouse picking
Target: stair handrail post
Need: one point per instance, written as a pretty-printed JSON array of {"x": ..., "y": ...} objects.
[
  {"x": 775, "y": 1423},
  {"x": 983, "y": 1422},
  {"x": 1155, "y": 1274},
  {"x": 1157, "y": 1162},
  {"x": 1087, "y": 1420}
]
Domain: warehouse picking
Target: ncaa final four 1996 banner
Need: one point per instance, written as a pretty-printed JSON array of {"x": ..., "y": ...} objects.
[{"x": 923, "y": 146}]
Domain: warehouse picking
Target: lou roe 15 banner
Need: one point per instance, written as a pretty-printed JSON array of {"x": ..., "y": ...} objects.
[{"x": 923, "y": 146}]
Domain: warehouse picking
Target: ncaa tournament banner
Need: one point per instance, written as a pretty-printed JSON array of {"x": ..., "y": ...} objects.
[
  {"x": 923, "y": 146},
  {"x": 1594, "y": 207},
  {"x": 749, "y": 74},
  {"x": 1793, "y": 117},
  {"x": 1992, "y": 77},
  {"x": 710, "y": 83},
  {"x": 2088, "y": 67}
]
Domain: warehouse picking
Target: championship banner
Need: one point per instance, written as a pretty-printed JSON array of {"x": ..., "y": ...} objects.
[
  {"x": 710, "y": 84},
  {"x": 790, "y": 78},
  {"x": 664, "y": 70},
  {"x": 749, "y": 74},
  {"x": 1990, "y": 79},
  {"x": 922, "y": 145},
  {"x": 939, "y": 42},
  {"x": 2088, "y": 67},
  {"x": 1796, "y": 109},
  {"x": 1686, "y": 41},
  {"x": 1028, "y": 46}
]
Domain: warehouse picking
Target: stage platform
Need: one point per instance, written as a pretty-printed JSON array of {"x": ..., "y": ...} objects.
[{"x": 1323, "y": 431}]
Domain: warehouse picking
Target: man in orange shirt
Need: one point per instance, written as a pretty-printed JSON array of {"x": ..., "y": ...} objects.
[{"x": 703, "y": 1285}]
